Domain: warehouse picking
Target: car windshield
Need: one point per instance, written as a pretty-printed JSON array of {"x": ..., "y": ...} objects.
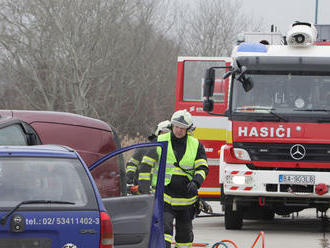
[
  {"x": 284, "y": 92},
  {"x": 55, "y": 179}
]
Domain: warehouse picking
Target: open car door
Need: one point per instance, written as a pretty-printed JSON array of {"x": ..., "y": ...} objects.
[{"x": 137, "y": 219}]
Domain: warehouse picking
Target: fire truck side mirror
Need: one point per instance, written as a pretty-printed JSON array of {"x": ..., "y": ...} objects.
[
  {"x": 208, "y": 90},
  {"x": 227, "y": 74},
  {"x": 209, "y": 82},
  {"x": 247, "y": 84},
  {"x": 208, "y": 105}
]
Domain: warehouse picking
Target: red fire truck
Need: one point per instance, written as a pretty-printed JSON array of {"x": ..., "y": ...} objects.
[{"x": 266, "y": 125}]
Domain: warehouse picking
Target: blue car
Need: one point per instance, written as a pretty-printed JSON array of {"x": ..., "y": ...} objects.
[{"x": 49, "y": 199}]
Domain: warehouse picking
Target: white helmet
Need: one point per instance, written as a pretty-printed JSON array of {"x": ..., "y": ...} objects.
[
  {"x": 163, "y": 126},
  {"x": 182, "y": 118}
]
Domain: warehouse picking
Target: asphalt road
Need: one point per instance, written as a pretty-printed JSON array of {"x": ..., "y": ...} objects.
[{"x": 304, "y": 230}]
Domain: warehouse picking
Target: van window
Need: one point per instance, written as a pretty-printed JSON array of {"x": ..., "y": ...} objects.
[{"x": 12, "y": 135}]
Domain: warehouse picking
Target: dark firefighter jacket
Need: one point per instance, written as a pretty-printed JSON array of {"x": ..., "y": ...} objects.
[{"x": 133, "y": 164}]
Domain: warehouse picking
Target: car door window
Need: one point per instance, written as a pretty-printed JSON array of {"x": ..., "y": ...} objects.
[
  {"x": 131, "y": 162},
  {"x": 12, "y": 135}
]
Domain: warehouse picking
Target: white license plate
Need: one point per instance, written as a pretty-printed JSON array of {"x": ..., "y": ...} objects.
[{"x": 297, "y": 179}]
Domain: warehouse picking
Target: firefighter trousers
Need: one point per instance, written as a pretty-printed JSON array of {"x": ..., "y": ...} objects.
[{"x": 183, "y": 226}]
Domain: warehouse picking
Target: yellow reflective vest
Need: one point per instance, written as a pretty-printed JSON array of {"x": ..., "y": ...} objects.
[{"x": 186, "y": 163}]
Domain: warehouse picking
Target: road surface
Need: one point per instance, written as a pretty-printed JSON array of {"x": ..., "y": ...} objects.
[{"x": 305, "y": 230}]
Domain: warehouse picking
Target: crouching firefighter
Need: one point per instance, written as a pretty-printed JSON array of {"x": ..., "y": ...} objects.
[{"x": 186, "y": 169}]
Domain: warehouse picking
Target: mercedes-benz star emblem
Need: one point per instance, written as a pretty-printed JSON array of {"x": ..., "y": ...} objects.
[{"x": 297, "y": 152}]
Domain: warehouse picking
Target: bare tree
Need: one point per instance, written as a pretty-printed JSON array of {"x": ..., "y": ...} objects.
[
  {"x": 109, "y": 59},
  {"x": 99, "y": 58},
  {"x": 213, "y": 27}
]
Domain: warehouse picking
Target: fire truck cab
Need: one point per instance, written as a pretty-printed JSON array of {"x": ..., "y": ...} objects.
[{"x": 278, "y": 157}]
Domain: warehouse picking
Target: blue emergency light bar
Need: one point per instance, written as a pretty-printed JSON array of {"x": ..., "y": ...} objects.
[{"x": 252, "y": 48}]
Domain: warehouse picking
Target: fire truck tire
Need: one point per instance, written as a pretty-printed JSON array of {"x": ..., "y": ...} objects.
[
  {"x": 268, "y": 214},
  {"x": 233, "y": 219}
]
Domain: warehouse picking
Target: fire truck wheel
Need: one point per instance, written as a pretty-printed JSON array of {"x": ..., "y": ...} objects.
[
  {"x": 233, "y": 219},
  {"x": 268, "y": 214}
]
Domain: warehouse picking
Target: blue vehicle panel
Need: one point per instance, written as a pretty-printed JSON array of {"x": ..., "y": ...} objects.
[
  {"x": 49, "y": 199},
  {"x": 51, "y": 229}
]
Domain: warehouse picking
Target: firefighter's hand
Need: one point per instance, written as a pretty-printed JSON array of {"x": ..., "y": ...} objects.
[
  {"x": 192, "y": 188},
  {"x": 144, "y": 189},
  {"x": 134, "y": 189}
]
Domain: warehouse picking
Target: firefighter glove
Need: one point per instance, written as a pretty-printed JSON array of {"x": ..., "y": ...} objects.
[{"x": 192, "y": 188}]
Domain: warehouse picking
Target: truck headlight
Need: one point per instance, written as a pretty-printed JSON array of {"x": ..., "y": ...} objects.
[{"x": 241, "y": 154}]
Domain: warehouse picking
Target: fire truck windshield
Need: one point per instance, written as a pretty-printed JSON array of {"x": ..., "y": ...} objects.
[{"x": 287, "y": 93}]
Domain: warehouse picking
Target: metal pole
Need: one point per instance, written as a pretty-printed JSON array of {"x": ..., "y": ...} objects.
[{"x": 316, "y": 10}]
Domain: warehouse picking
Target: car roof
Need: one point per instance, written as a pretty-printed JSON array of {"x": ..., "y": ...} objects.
[
  {"x": 30, "y": 117},
  {"x": 38, "y": 150}
]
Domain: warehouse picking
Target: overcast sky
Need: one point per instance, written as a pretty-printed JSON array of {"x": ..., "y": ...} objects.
[{"x": 282, "y": 13}]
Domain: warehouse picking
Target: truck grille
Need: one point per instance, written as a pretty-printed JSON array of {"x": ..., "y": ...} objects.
[
  {"x": 280, "y": 152},
  {"x": 23, "y": 243}
]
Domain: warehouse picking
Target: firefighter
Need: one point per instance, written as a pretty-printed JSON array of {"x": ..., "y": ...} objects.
[
  {"x": 132, "y": 166},
  {"x": 186, "y": 169}
]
